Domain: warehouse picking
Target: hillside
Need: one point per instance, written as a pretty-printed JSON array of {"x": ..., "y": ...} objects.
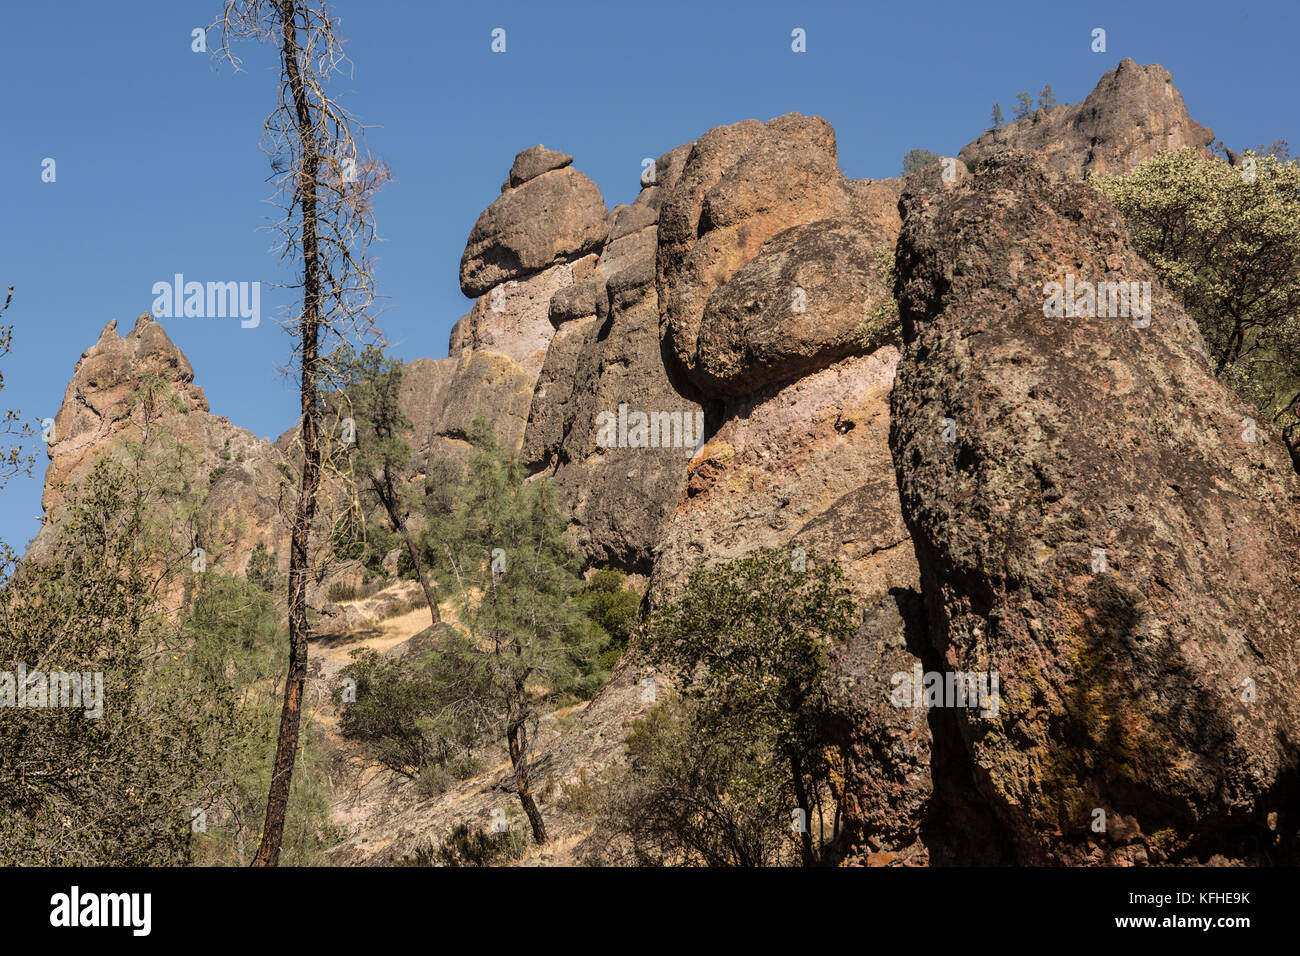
[{"x": 761, "y": 353}]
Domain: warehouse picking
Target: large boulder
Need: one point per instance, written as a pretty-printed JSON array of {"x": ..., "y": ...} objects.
[
  {"x": 769, "y": 260},
  {"x": 550, "y": 217},
  {"x": 813, "y": 295},
  {"x": 1133, "y": 113},
  {"x": 1095, "y": 528}
]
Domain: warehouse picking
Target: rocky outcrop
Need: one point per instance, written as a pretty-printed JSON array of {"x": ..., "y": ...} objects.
[
  {"x": 740, "y": 187},
  {"x": 772, "y": 274},
  {"x": 1092, "y": 528},
  {"x": 533, "y": 245},
  {"x": 1133, "y": 113},
  {"x": 125, "y": 385},
  {"x": 513, "y": 318},
  {"x": 806, "y": 466},
  {"x": 549, "y": 217},
  {"x": 606, "y": 367},
  {"x": 1066, "y": 504}
]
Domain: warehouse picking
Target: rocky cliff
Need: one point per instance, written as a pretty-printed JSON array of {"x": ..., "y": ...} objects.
[
  {"x": 124, "y": 387},
  {"x": 759, "y": 352},
  {"x": 1134, "y": 112}
]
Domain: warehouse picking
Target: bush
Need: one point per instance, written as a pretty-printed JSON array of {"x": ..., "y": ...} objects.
[
  {"x": 389, "y": 717},
  {"x": 715, "y": 775},
  {"x": 477, "y": 847},
  {"x": 263, "y": 569},
  {"x": 615, "y": 609},
  {"x": 917, "y": 159}
]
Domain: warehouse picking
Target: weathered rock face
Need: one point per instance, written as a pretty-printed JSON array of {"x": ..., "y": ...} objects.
[
  {"x": 1156, "y": 688},
  {"x": 885, "y": 751},
  {"x": 1133, "y": 113},
  {"x": 487, "y": 384},
  {"x": 512, "y": 319},
  {"x": 97, "y": 402},
  {"x": 739, "y": 187},
  {"x": 236, "y": 471},
  {"x": 806, "y": 466},
  {"x": 808, "y": 299},
  {"x": 605, "y": 366},
  {"x": 553, "y": 216}
]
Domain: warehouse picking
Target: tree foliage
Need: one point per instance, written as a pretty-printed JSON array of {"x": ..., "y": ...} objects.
[
  {"x": 1227, "y": 241},
  {"x": 917, "y": 159},
  {"x": 524, "y": 641},
  {"x": 371, "y": 399},
  {"x": 717, "y": 774}
]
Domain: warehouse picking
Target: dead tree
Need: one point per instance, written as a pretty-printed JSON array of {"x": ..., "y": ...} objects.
[{"x": 325, "y": 189}]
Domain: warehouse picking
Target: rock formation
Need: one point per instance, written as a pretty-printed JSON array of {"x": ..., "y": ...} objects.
[
  {"x": 1091, "y": 526},
  {"x": 1133, "y": 113},
  {"x": 235, "y": 471},
  {"x": 758, "y": 352},
  {"x": 605, "y": 362}
]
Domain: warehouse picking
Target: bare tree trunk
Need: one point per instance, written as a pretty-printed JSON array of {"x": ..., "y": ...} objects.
[
  {"x": 517, "y": 739},
  {"x": 286, "y": 749},
  {"x": 388, "y": 496},
  {"x": 419, "y": 571}
]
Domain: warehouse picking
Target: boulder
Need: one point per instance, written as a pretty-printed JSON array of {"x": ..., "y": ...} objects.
[
  {"x": 556, "y": 216},
  {"x": 739, "y": 186},
  {"x": 1093, "y": 528},
  {"x": 813, "y": 295},
  {"x": 534, "y": 161}
]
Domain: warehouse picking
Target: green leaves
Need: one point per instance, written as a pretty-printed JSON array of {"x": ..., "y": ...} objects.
[
  {"x": 1226, "y": 240},
  {"x": 747, "y": 640}
]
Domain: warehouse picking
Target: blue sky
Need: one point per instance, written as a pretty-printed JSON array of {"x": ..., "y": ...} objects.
[{"x": 159, "y": 171}]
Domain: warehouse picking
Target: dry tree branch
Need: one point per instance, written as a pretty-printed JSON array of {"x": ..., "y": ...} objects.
[{"x": 324, "y": 186}]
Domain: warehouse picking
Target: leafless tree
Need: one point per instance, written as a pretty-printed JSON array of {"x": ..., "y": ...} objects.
[
  {"x": 325, "y": 188},
  {"x": 13, "y": 459}
]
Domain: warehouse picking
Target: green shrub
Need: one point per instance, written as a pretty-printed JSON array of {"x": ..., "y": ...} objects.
[{"x": 477, "y": 847}]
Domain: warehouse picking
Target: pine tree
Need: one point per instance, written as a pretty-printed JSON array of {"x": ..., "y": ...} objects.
[
  {"x": 918, "y": 159},
  {"x": 372, "y": 387},
  {"x": 998, "y": 119},
  {"x": 1046, "y": 98},
  {"x": 1024, "y": 105},
  {"x": 526, "y": 640}
]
